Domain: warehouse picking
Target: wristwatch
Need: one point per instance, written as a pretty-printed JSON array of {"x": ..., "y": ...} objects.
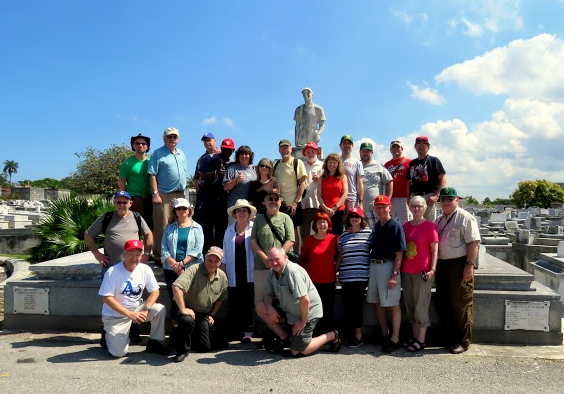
[
  {"x": 396, "y": 273},
  {"x": 471, "y": 263},
  {"x": 155, "y": 192},
  {"x": 145, "y": 308}
]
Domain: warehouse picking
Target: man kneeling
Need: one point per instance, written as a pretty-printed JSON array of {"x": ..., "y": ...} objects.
[
  {"x": 121, "y": 290},
  {"x": 199, "y": 293},
  {"x": 300, "y": 301}
]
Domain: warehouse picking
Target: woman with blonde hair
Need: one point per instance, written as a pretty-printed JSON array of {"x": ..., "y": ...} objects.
[{"x": 332, "y": 192}]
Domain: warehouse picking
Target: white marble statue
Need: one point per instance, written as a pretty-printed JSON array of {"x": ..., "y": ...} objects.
[{"x": 310, "y": 120}]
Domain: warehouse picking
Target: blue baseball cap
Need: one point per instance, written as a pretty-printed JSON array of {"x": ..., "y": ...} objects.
[
  {"x": 121, "y": 193},
  {"x": 208, "y": 136}
]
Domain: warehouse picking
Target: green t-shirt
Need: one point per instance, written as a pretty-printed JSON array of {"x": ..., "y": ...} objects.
[
  {"x": 135, "y": 173},
  {"x": 266, "y": 239}
]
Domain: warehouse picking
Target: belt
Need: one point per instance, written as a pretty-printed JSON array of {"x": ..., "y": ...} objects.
[{"x": 376, "y": 261}]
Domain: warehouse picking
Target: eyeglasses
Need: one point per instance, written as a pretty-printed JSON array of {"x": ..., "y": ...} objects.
[
  {"x": 140, "y": 143},
  {"x": 443, "y": 199},
  {"x": 121, "y": 202},
  {"x": 263, "y": 166},
  {"x": 416, "y": 206},
  {"x": 273, "y": 199},
  {"x": 172, "y": 137},
  {"x": 180, "y": 208}
]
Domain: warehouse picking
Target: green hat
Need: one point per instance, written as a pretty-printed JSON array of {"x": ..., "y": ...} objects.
[
  {"x": 366, "y": 145},
  {"x": 448, "y": 192},
  {"x": 345, "y": 138},
  {"x": 284, "y": 142}
]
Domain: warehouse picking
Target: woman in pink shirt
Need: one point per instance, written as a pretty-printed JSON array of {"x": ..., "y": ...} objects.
[{"x": 418, "y": 271}]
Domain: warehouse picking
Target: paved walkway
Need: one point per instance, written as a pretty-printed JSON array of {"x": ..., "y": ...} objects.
[{"x": 57, "y": 362}]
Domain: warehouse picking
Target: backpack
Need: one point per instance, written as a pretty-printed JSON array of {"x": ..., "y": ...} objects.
[{"x": 109, "y": 215}]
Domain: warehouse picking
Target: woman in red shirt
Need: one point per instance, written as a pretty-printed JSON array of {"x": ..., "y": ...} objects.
[
  {"x": 332, "y": 192},
  {"x": 318, "y": 258}
]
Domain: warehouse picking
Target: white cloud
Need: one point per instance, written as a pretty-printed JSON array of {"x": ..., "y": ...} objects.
[
  {"x": 522, "y": 139},
  {"x": 472, "y": 29},
  {"x": 403, "y": 16},
  {"x": 426, "y": 94},
  {"x": 529, "y": 68},
  {"x": 228, "y": 122},
  {"x": 407, "y": 18},
  {"x": 209, "y": 121},
  {"x": 482, "y": 16}
]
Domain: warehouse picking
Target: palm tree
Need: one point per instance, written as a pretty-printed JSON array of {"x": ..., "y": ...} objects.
[
  {"x": 62, "y": 232},
  {"x": 11, "y": 167}
]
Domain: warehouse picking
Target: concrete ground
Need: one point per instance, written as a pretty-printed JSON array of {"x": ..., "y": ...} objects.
[{"x": 73, "y": 362}]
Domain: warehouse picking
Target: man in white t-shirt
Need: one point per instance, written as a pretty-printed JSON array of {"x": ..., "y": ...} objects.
[
  {"x": 122, "y": 292},
  {"x": 354, "y": 173}
]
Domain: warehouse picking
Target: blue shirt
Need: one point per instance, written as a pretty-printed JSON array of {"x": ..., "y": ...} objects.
[
  {"x": 170, "y": 169},
  {"x": 387, "y": 240}
]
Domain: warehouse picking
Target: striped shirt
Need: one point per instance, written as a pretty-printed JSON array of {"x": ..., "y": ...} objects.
[{"x": 355, "y": 248}]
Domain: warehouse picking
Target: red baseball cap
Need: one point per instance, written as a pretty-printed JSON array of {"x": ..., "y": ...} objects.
[
  {"x": 133, "y": 244},
  {"x": 382, "y": 200},
  {"x": 228, "y": 144},
  {"x": 311, "y": 145},
  {"x": 358, "y": 211}
]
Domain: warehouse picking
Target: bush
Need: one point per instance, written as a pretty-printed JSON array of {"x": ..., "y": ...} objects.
[{"x": 62, "y": 232}]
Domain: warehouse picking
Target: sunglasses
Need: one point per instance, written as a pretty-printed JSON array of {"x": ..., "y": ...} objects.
[
  {"x": 263, "y": 166},
  {"x": 181, "y": 208},
  {"x": 140, "y": 143},
  {"x": 122, "y": 202},
  {"x": 172, "y": 137},
  {"x": 424, "y": 276},
  {"x": 443, "y": 199},
  {"x": 354, "y": 217},
  {"x": 273, "y": 199}
]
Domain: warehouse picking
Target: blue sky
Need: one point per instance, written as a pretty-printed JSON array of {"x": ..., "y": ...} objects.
[{"x": 484, "y": 81}]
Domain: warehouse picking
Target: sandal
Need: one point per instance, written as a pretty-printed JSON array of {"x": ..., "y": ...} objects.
[
  {"x": 416, "y": 346},
  {"x": 408, "y": 343},
  {"x": 336, "y": 343},
  {"x": 390, "y": 346}
]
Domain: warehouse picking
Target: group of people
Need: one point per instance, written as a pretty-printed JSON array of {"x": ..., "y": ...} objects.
[{"x": 273, "y": 240}]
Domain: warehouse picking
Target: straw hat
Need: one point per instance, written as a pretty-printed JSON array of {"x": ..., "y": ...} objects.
[{"x": 242, "y": 203}]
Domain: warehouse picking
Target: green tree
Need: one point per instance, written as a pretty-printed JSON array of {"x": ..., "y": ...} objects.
[
  {"x": 539, "y": 193},
  {"x": 487, "y": 201},
  {"x": 61, "y": 233},
  {"x": 4, "y": 180},
  {"x": 503, "y": 201},
  {"x": 471, "y": 200},
  {"x": 48, "y": 183},
  {"x": 97, "y": 172},
  {"x": 10, "y": 167}
]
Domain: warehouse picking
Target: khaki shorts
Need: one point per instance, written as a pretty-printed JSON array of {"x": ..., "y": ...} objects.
[
  {"x": 378, "y": 290},
  {"x": 261, "y": 277},
  {"x": 300, "y": 342}
]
